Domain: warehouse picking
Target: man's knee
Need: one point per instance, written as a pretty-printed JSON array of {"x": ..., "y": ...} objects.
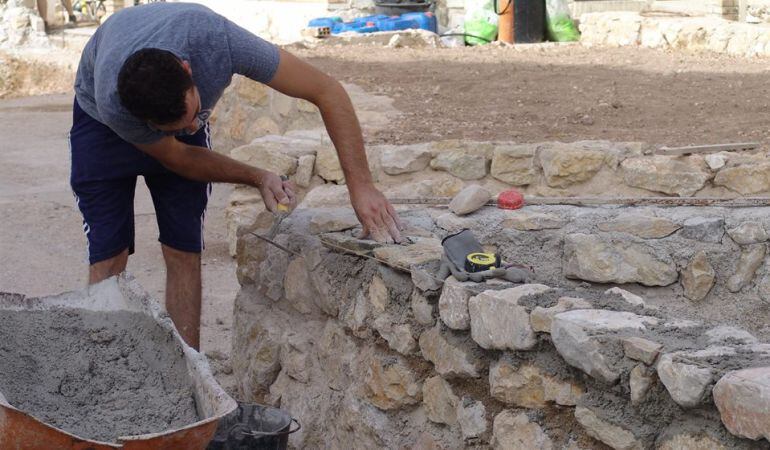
[
  {"x": 109, "y": 267},
  {"x": 178, "y": 259}
]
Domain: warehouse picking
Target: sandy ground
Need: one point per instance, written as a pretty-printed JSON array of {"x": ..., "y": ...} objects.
[
  {"x": 563, "y": 93},
  {"x": 41, "y": 237}
]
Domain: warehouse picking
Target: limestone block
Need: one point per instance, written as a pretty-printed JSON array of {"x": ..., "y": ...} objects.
[
  {"x": 565, "y": 165},
  {"x": 639, "y": 383},
  {"x": 725, "y": 334},
  {"x": 743, "y": 400},
  {"x": 628, "y": 297},
  {"x": 745, "y": 179},
  {"x": 378, "y": 295},
  {"x": 453, "y": 304},
  {"x": 748, "y": 233},
  {"x": 526, "y": 386},
  {"x": 676, "y": 176},
  {"x": 330, "y": 220},
  {"x": 326, "y": 195},
  {"x": 336, "y": 355},
  {"x": 698, "y": 277},
  {"x": 498, "y": 322},
  {"x": 421, "y": 309},
  {"x": 439, "y": 400},
  {"x": 574, "y": 336},
  {"x": 715, "y": 161},
  {"x": 514, "y": 164},
  {"x": 591, "y": 258},
  {"x": 686, "y": 383},
  {"x": 541, "y": 318},
  {"x": 265, "y": 157},
  {"x": 511, "y": 431},
  {"x": 469, "y": 200},
  {"x": 449, "y": 359},
  {"x": 471, "y": 415},
  {"x": 398, "y": 160},
  {"x": 295, "y": 356},
  {"x": 298, "y": 287},
  {"x": 403, "y": 257},
  {"x": 465, "y": 166},
  {"x": 451, "y": 223},
  {"x": 751, "y": 258},
  {"x": 355, "y": 316},
  {"x": 399, "y": 336},
  {"x": 253, "y": 93},
  {"x": 533, "y": 221},
  {"x": 390, "y": 385},
  {"x": 614, "y": 436},
  {"x": 641, "y": 349},
  {"x": 304, "y": 174},
  {"x": 327, "y": 165},
  {"x": 425, "y": 280},
  {"x": 646, "y": 227},
  {"x": 704, "y": 229}
]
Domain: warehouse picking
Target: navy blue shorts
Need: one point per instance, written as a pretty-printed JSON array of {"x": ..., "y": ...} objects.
[{"x": 103, "y": 178}]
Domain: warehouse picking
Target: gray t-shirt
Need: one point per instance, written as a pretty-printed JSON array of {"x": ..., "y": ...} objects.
[{"x": 215, "y": 48}]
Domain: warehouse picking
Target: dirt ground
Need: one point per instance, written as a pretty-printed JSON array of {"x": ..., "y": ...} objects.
[
  {"x": 563, "y": 93},
  {"x": 568, "y": 93}
]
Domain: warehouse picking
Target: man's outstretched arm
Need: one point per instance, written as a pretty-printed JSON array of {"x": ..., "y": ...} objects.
[
  {"x": 299, "y": 79},
  {"x": 202, "y": 164}
]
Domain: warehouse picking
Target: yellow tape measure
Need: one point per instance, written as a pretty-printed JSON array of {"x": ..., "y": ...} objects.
[{"x": 478, "y": 262}]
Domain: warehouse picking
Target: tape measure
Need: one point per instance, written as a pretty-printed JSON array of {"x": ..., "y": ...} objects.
[{"x": 479, "y": 262}]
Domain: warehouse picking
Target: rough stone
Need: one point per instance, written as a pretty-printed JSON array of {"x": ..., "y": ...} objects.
[
  {"x": 628, "y": 297},
  {"x": 572, "y": 334},
  {"x": 498, "y": 322},
  {"x": 390, "y": 385},
  {"x": 751, "y": 258},
  {"x": 715, "y": 161},
  {"x": 698, "y": 277},
  {"x": 398, "y": 160},
  {"x": 355, "y": 317},
  {"x": 403, "y": 257},
  {"x": 266, "y": 157},
  {"x": 330, "y": 220},
  {"x": 616, "y": 437},
  {"x": 564, "y": 165},
  {"x": 298, "y": 288},
  {"x": 642, "y": 226},
  {"x": 399, "y": 336},
  {"x": 511, "y": 431},
  {"x": 439, "y": 400},
  {"x": 378, "y": 295},
  {"x": 461, "y": 164},
  {"x": 704, "y": 229},
  {"x": 469, "y": 200},
  {"x": 449, "y": 360},
  {"x": 639, "y": 383},
  {"x": 670, "y": 175},
  {"x": 591, "y": 258},
  {"x": 327, "y": 165},
  {"x": 451, "y": 223},
  {"x": 326, "y": 195},
  {"x": 513, "y": 164},
  {"x": 687, "y": 441},
  {"x": 641, "y": 349},
  {"x": 541, "y": 318},
  {"x": 471, "y": 415},
  {"x": 421, "y": 309},
  {"x": 526, "y": 386},
  {"x": 686, "y": 383},
  {"x": 533, "y": 221},
  {"x": 743, "y": 400},
  {"x": 425, "y": 280},
  {"x": 304, "y": 174},
  {"x": 453, "y": 304},
  {"x": 726, "y": 334},
  {"x": 748, "y": 233},
  {"x": 745, "y": 179}
]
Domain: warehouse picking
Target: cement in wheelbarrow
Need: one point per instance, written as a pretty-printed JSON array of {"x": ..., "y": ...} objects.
[{"x": 101, "y": 368}]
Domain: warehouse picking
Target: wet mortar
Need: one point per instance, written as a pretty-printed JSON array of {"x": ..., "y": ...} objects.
[{"x": 97, "y": 375}]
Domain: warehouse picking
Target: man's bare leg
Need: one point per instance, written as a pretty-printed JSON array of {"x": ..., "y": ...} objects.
[
  {"x": 183, "y": 293},
  {"x": 108, "y": 268}
]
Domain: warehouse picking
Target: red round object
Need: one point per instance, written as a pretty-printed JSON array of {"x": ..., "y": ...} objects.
[{"x": 510, "y": 199}]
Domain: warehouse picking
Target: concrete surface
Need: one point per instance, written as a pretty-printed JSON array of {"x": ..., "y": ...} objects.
[{"x": 42, "y": 246}]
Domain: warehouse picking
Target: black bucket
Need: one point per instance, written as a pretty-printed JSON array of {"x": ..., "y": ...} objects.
[{"x": 254, "y": 427}]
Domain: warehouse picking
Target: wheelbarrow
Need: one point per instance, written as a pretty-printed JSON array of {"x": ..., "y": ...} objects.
[{"x": 21, "y": 430}]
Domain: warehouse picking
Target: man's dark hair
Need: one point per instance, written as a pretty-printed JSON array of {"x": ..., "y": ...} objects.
[{"x": 152, "y": 85}]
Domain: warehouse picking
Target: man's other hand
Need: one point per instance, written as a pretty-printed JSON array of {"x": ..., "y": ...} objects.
[
  {"x": 274, "y": 190},
  {"x": 376, "y": 214}
]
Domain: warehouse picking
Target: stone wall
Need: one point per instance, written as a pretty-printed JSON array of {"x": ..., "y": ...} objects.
[
  {"x": 21, "y": 25},
  {"x": 378, "y": 354},
  {"x": 696, "y": 34}
]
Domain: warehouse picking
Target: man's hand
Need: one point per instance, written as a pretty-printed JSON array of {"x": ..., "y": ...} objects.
[
  {"x": 275, "y": 190},
  {"x": 376, "y": 214}
]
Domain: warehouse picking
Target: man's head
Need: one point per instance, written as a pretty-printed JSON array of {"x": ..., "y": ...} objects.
[{"x": 157, "y": 87}]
